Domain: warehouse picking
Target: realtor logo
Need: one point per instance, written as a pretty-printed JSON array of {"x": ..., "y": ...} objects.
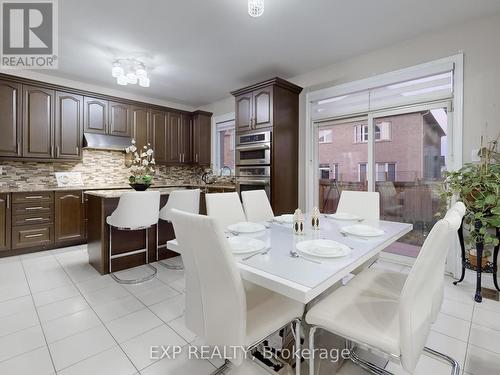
[{"x": 29, "y": 34}]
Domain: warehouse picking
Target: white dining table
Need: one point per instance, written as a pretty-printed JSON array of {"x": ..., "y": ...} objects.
[{"x": 302, "y": 279}]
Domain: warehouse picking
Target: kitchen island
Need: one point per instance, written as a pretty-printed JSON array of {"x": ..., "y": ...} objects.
[{"x": 100, "y": 204}]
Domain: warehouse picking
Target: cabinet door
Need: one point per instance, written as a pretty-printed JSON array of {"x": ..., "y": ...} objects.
[
  {"x": 10, "y": 119},
  {"x": 141, "y": 131},
  {"x": 119, "y": 119},
  {"x": 173, "y": 137},
  {"x": 69, "y": 216},
  {"x": 263, "y": 107},
  {"x": 243, "y": 114},
  {"x": 5, "y": 226},
  {"x": 96, "y": 115},
  {"x": 159, "y": 125},
  {"x": 38, "y": 122},
  {"x": 69, "y": 125},
  {"x": 186, "y": 138},
  {"x": 202, "y": 140}
]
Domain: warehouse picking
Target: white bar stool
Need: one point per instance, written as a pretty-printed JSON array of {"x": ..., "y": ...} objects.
[
  {"x": 137, "y": 210},
  {"x": 183, "y": 200}
]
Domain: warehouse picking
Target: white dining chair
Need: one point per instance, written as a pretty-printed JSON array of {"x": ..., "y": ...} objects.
[
  {"x": 395, "y": 325},
  {"x": 187, "y": 200},
  {"x": 364, "y": 204},
  {"x": 226, "y": 208},
  {"x": 391, "y": 283},
  {"x": 256, "y": 206},
  {"x": 218, "y": 307},
  {"x": 136, "y": 210}
]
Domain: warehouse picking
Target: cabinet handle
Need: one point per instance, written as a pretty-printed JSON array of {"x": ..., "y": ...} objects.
[
  {"x": 57, "y": 151},
  {"x": 51, "y": 151},
  {"x": 77, "y": 150},
  {"x": 34, "y": 208},
  {"x": 83, "y": 201},
  {"x": 8, "y": 201},
  {"x": 18, "y": 148},
  {"x": 34, "y": 235},
  {"x": 33, "y": 197},
  {"x": 34, "y": 219}
]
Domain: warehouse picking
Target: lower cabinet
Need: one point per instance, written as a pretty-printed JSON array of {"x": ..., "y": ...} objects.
[
  {"x": 32, "y": 235},
  {"x": 5, "y": 222},
  {"x": 69, "y": 213}
]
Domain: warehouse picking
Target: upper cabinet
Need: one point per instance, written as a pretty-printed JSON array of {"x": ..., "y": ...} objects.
[
  {"x": 96, "y": 115},
  {"x": 174, "y": 155},
  {"x": 68, "y": 125},
  {"x": 119, "y": 119},
  {"x": 185, "y": 141},
  {"x": 202, "y": 138},
  {"x": 38, "y": 122},
  {"x": 159, "y": 128},
  {"x": 10, "y": 118},
  {"x": 254, "y": 109},
  {"x": 244, "y": 112},
  {"x": 141, "y": 126}
]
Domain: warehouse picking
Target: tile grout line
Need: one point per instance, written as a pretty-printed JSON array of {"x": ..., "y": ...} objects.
[
  {"x": 103, "y": 324},
  {"x": 39, "y": 320}
]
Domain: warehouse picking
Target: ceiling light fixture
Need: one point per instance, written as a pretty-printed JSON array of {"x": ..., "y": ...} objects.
[
  {"x": 255, "y": 8},
  {"x": 130, "y": 72}
]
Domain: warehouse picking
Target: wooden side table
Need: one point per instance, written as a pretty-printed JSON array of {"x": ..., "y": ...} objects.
[{"x": 491, "y": 267}]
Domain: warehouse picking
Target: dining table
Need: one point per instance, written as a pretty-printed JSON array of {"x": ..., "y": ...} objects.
[{"x": 280, "y": 268}]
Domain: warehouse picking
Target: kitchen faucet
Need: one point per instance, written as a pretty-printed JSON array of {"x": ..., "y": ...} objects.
[{"x": 226, "y": 167}]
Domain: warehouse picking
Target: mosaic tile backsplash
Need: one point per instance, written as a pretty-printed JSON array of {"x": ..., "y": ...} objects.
[{"x": 99, "y": 169}]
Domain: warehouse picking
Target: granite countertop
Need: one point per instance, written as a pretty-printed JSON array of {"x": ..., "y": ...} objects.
[
  {"x": 118, "y": 192},
  {"x": 27, "y": 189}
]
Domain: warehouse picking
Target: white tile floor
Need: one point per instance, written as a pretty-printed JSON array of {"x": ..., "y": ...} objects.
[{"x": 59, "y": 316}]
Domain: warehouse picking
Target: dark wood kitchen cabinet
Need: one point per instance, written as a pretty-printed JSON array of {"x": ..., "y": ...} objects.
[
  {"x": 119, "y": 119},
  {"x": 173, "y": 136},
  {"x": 141, "y": 126},
  {"x": 96, "y": 115},
  {"x": 243, "y": 112},
  {"x": 159, "y": 127},
  {"x": 68, "y": 125},
  {"x": 254, "y": 109},
  {"x": 69, "y": 216},
  {"x": 10, "y": 118},
  {"x": 185, "y": 140},
  {"x": 5, "y": 222},
  {"x": 38, "y": 122},
  {"x": 202, "y": 138}
]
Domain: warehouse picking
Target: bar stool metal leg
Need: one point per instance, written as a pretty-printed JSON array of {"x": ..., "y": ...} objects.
[
  {"x": 166, "y": 265},
  {"x": 145, "y": 251}
]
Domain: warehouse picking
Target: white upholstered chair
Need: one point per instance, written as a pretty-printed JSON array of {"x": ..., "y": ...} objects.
[
  {"x": 187, "y": 200},
  {"x": 256, "y": 205},
  {"x": 382, "y": 319},
  {"x": 137, "y": 210},
  {"x": 218, "y": 308},
  {"x": 226, "y": 208},
  {"x": 360, "y": 203}
]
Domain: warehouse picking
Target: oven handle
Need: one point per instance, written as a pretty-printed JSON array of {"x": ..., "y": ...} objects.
[
  {"x": 253, "y": 147},
  {"x": 253, "y": 182}
]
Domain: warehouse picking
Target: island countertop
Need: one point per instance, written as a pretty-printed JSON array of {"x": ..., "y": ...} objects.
[{"x": 118, "y": 192}]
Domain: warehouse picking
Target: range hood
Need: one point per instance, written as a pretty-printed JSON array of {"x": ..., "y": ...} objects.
[{"x": 105, "y": 142}]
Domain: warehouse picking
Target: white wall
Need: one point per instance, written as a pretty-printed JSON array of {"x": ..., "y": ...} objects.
[
  {"x": 478, "y": 40},
  {"x": 93, "y": 88}
]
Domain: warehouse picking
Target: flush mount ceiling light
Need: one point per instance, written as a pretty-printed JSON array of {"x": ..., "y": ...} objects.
[
  {"x": 130, "y": 72},
  {"x": 255, "y": 8}
]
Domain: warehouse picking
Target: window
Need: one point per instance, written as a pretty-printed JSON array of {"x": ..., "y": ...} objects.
[
  {"x": 324, "y": 171},
  {"x": 362, "y": 172},
  {"x": 386, "y": 172},
  {"x": 382, "y": 132},
  {"x": 325, "y": 136},
  {"x": 225, "y": 141},
  {"x": 335, "y": 172}
]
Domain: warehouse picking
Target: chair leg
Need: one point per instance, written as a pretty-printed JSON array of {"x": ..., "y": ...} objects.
[
  {"x": 171, "y": 267},
  {"x": 455, "y": 366},
  {"x": 297, "y": 346},
  {"x": 312, "y": 331},
  {"x": 220, "y": 370},
  {"x": 365, "y": 365}
]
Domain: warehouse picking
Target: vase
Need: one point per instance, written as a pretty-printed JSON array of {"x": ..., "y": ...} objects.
[{"x": 140, "y": 187}]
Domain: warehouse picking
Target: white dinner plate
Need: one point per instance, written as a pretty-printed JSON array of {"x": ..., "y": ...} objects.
[
  {"x": 323, "y": 248},
  {"x": 243, "y": 245},
  {"x": 246, "y": 227},
  {"x": 362, "y": 230},
  {"x": 284, "y": 219},
  {"x": 344, "y": 216}
]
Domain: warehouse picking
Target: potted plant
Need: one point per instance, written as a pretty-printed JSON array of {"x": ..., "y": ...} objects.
[
  {"x": 477, "y": 185},
  {"x": 142, "y": 166}
]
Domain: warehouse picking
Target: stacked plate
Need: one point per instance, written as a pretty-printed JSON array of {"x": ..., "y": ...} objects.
[
  {"x": 244, "y": 245},
  {"x": 362, "y": 230},
  {"x": 323, "y": 248}
]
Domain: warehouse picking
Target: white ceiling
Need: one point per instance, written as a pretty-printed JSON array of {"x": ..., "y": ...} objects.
[{"x": 199, "y": 50}]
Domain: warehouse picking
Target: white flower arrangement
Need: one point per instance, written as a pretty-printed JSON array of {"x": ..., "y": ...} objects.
[{"x": 143, "y": 164}]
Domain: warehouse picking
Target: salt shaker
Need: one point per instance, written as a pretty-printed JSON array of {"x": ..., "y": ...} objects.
[
  {"x": 315, "y": 218},
  {"x": 298, "y": 222}
]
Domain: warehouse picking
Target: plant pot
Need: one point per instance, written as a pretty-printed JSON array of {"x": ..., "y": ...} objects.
[
  {"x": 473, "y": 261},
  {"x": 140, "y": 187}
]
